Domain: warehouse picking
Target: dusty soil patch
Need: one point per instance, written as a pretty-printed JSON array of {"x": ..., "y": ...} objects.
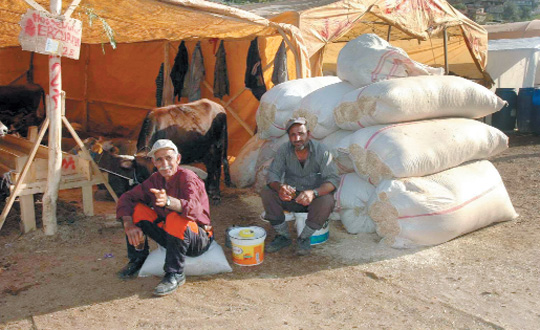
[{"x": 489, "y": 279}]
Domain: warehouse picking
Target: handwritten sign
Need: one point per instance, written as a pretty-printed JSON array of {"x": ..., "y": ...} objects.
[{"x": 50, "y": 35}]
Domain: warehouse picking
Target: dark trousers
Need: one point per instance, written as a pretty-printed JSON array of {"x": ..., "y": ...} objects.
[
  {"x": 180, "y": 236},
  {"x": 318, "y": 211}
]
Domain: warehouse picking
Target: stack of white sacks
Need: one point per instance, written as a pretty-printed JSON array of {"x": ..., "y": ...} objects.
[{"x": 405, "y": 141}]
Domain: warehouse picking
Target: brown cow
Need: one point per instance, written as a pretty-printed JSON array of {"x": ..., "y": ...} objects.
[
  {"x": 19, "y": 106},
  {"x": 199, "y": 130}
]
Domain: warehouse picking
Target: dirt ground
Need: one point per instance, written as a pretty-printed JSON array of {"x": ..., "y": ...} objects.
[{"x": 489, "y": 279}]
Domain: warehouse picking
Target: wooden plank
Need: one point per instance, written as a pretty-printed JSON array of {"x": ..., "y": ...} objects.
[
  {"x": 87, "y": 156},
  {"x": 28, "y": 213},
  {"x": 16, "y": 189},
  {"x": 23, "y": 145},
  {"x": 88, "y": 200},
  {"x": 39, "y": 187},
  {"x": 10, "y": 158},
  {"x": 32, "y": 134}
]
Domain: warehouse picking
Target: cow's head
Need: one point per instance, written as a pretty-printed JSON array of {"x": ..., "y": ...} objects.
[{"x": 3, "y": 129}]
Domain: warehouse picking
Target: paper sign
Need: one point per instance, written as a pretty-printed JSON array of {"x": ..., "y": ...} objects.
[{"x": 46, "y": 34}]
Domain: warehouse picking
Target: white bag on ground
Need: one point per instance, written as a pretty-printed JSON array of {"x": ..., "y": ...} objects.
[
  {"x": 277, "y": 104},
  {"x": 352, "y": 198},
  {"x": 437, "y": 208},
  {"x": 368, "y": 59},
  {"x": 343, "y": 164},
  {"x": 415, "y": 98},
  {"x": 318, "y": 108},
  {"x": 419, "y": 148},
  {"x": 211, "y": 262},
  {"x": 244, "y": 166}
]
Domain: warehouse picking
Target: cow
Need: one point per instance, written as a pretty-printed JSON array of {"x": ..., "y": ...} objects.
[
  {"x": 199, "y": 130},
  {"x": 19, "y": 106},
  {"x": 3, "y": 129}
]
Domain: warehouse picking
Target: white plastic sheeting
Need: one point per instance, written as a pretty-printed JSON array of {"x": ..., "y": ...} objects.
[{"x": 514, "y": 63}]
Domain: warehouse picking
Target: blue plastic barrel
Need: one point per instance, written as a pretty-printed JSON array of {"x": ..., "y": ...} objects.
[
  {"x": 535, "y": 121},
  {"x": 525, "y": 109},
  {"x": 505, "y": 119}
]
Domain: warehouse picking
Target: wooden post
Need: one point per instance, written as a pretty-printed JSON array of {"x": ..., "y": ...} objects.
[{"x": 50, "y": 197}]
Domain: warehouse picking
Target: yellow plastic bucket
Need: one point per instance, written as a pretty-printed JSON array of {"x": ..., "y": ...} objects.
[{"x": 247, "y": 245}]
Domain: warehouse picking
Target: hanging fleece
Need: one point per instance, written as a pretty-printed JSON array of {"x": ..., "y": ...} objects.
[
  {"x": 254, "y": 79},
  {"x": 179, "y": 70},
  {"x": 280, "y": 73},
  {"x": 159, "y": 86},
  {"x": 221, "y": 78},
  {"x": 196, "y": 74}
]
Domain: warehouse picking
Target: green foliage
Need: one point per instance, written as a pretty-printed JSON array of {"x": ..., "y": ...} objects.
[
  {"x": 460, "y": 6},
  {"x": 107, "y": 30}
]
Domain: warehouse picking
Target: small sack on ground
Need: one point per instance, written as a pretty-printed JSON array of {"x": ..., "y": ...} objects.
[{"x": 211, "y": 262}]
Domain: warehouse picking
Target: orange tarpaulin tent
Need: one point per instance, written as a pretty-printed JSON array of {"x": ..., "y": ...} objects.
[
  {"x": 110, "y": 91},
  {"x": 416, "y": 26}
]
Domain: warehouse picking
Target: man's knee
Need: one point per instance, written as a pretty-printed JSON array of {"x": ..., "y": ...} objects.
[
  {"x": 325, "y": 202},
  {"x": 268, "y": 194}
]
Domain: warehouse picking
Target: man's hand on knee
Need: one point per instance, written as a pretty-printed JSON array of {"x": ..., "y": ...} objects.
[{"x": 133, "y": 233}]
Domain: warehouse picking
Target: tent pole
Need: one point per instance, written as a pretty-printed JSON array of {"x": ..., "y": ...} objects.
[
  {"x": 85, "y": 92},
  {"x": 167, "y": 93},
  {"x": 446, "y": 70},
  {"x": 50, "y": 197}
]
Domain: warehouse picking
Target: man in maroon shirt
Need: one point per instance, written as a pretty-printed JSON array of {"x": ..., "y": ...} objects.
[{"x": 172, "y": 208}]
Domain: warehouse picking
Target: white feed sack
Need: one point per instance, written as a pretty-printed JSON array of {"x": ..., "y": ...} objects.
[
  {"x": 261, "y": 175},
  {"x": 352, "y": 198},
  {"x": 318, "y": 108},
  {"x": 343, "y": 164},
  {"x": 368, "y": 59},
  {"x": 419, "y": 148},
  {"x": 244, "y": 166},
  {"x": 415, "y": 98},
  {"x": 269, "y": 148},
  {"x": 434, "y": 209},
  {"x": 277, "y": 104}
]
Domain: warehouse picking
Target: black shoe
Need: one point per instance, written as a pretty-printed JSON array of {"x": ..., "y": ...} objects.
[
  {"x": 304, "y": 246},
  {"x": 169, "y": 283},
  {"x": 131, "y": 270},
  {"x": 278, "y": 243}
]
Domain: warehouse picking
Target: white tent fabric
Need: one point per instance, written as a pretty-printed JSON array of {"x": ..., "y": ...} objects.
[{"x": 514, "y": 63}]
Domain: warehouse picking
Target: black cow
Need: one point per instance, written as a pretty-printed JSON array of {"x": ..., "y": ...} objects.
[
  {"x": 199, "y": 130},
  {"x": 19, "y": 106}
]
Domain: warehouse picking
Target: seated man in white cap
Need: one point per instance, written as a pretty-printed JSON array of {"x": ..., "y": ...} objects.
[
  {"x": 301, "y": 178},
  {"x": 171, "y": 207}
]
